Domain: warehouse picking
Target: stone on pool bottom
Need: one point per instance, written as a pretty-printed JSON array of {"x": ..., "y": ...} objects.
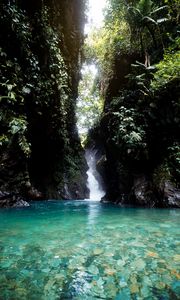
[{"x": 88, "y": 250}]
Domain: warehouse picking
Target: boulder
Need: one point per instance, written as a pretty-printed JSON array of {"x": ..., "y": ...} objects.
[
  {"x": 142, "y": 193},
  {"x": 170, "y": 194},
  {"x": 8, "y": 200},
  {"x": 34, "y": 194}
]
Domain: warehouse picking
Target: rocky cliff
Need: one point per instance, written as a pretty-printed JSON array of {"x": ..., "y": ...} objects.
[
  {"x": 139, "y": 132},
  {"x": 40, "y": 151}
]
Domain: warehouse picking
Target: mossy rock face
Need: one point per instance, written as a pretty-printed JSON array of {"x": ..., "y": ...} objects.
[
  {"x": 140, "y": 134},
  {"x": 40, "y": 62}
]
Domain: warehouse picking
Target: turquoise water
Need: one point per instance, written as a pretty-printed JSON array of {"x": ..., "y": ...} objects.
[{"x": 88, "y": 250}]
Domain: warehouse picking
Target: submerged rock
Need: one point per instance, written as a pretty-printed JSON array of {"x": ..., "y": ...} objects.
[{"x": 97, "y": 251}]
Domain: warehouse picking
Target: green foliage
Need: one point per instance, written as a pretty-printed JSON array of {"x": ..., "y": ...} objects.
[
  {"x": 102, "y": 44},
  {"x": 3, "y": 140},
  {"x": 134, "y": 27},
  {"x": 89, "y": 104},
  {"x": 28, "y": 76},
  {"x": 13, "y": 85},
  {"x": 145, "y": 6},
  {"x": 18, "y": 127},
  {"x": 55, "y": 84},
  {"x": 37, "y": 90},
  {"x": 162, "y": 174},
  {"x": 138, "y": 116},
  {"x": 127, "y": 130},
  {"x": 144, "y": 21},
  {"x": 174, "y": 9},
  {"x": 12, "y": 101},
  {"x": 95, "y": 49},
  {"x": 140, "y": 78},
  {"x": 40, "y": 60},
  {"x": 169, "y": 68},
  {"x": 141, "y": 111}
]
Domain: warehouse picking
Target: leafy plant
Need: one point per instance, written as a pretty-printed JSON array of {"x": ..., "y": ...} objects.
[
  {"x": 89, "y": 103},
  {"x": 144, "y": 19},
  {"x": 18, "y": 127},
  {"x": 127, "y": 131},
  {"x": 169, "y": 68}
]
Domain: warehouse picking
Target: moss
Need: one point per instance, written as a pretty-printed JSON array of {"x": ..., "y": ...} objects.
[{"x": 39, "y": 81}]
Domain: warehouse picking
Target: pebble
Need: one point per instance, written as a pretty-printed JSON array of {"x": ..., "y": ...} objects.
[
  {"x": 152, "y": 254},
  {"x": 160, "y": 285},
  {"x": 176, "y": 258},
  {"x": 122, "y": 283},
  {"x": 97, "y": 251},
  {"x": 138, "y": 264},
  {"x": 110, "y": 271},
  {"x": 120, "y": 263},
  {"x": 134, "y": 288},
  {"x": 93, "y": 270}
]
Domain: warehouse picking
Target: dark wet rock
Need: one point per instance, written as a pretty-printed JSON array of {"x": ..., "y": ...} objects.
[
  {"x": 101, "y": 167},
  {"x": 34, "y": 194},
  {"x": 11, "y": 200},
  {"x": 75, "y": 189},
  {"x": 4, "y": 195},
  {"x": 66, "y": 193},
  {"x": 170, "y": 194},
  {"x": 142, "y": 193},
  {"x": 146, "y": 193},
  {"x": 20, "y": 203}
]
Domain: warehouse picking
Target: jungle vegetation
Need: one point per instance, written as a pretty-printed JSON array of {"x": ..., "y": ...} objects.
[{"x": 138, "y": 57}]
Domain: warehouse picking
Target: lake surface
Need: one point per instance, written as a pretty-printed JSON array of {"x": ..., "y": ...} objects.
[{"x": 87, "y": 250}]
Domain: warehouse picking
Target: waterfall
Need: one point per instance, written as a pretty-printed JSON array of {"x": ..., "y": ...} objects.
[{"x": 96, "y": 191}]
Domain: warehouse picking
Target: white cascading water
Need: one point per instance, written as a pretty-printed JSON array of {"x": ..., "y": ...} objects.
[{"x": 96, "y": 191}]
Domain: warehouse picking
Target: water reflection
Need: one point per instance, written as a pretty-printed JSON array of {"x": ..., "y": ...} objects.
[{"x": 94, "y": 210}]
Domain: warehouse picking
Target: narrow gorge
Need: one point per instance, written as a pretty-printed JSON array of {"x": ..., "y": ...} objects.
[
  {"x": 128, "y": 101},
  {"x": 89, "y": 150}
]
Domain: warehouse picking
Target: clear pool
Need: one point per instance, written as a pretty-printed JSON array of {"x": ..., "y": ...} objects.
[{"x": 88, "y": 250}]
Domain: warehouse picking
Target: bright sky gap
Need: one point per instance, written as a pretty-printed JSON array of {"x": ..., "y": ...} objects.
[
  {"x": 95, "y": 19},
  {"x": 95, "y": 14}
]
